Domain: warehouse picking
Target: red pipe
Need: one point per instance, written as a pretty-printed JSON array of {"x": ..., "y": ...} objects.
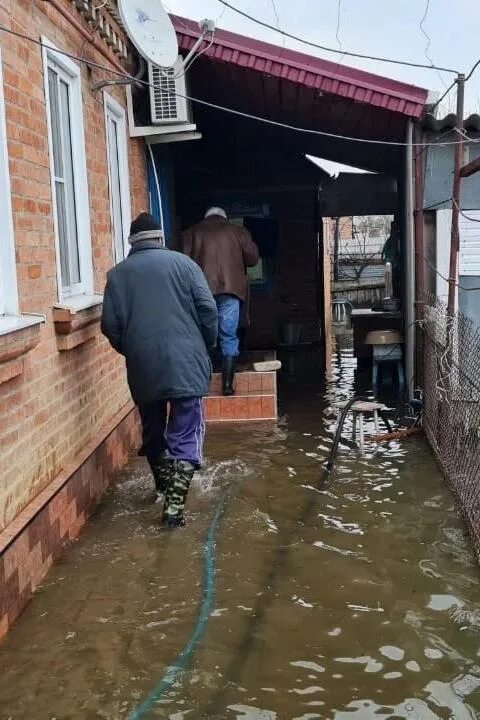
[{"x": 57, "y": 4}]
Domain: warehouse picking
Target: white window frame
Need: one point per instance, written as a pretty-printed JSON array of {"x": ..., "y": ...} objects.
[
  {"x": 114, "y": 110},
  {"x": 71, "y": 73},
  {"x": 8, "y": 272}
]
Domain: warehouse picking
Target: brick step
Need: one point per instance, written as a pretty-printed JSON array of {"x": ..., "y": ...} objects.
[
  {"x": 247, "y": 383},
  {"x": 240, "y": 408}
]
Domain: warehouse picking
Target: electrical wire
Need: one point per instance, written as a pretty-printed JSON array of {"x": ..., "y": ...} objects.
[
  {"x": 429, "y": 42},
  {"x": 446, "y": 279},
  {"x": 201, "y": 52},
  {"x": 310, "y": 43},
  {"x": 464, "y": 214},
  {"x": 277, "y": 20},
  {"x": 337, "y": 34},
  {"x": 450, "y": 87},
  {"x": 425, "y": 34},
  {"x": 220, "y": 15},
  {"x": 232, "y": 111},
  {"x": 477, "y": 64}
]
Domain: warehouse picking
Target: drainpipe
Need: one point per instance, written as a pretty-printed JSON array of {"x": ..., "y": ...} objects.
[
  {"x": 409, "y": 266},
  {"x": 75, "y": 22},
  {"x": 419, "y": 228}
]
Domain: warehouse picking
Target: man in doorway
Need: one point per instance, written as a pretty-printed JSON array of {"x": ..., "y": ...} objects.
[
  {"x": 224, "y": 251},
  {"x": 160, "y": 314}
]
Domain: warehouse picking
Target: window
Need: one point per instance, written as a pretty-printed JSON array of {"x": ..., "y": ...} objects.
[
  {"x": 8, "y": 279},
  {"x": 69, "y": 174},
  {"x": 118, "y": 173}
]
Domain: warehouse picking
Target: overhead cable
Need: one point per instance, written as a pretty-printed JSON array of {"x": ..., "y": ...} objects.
[
  {"x": 477, "y": 64},
  {"x": 349, "y": 53}
]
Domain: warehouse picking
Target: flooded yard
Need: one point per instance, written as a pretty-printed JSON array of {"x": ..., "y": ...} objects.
[{"x": 353, "y": 600}]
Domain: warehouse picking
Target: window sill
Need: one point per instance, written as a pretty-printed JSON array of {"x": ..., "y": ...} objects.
[
  {"x": 76, "y": 303},
  {"x": 14, "y": 323},
  {"x": 76, "y": 319},
  {"x": 19, "y": 334}
]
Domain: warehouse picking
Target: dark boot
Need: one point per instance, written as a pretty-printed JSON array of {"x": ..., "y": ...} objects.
[
  {"x": 162, "y": 473},
  {"x": 176, "y": 494},
  {"x": 228, "y": 375}
]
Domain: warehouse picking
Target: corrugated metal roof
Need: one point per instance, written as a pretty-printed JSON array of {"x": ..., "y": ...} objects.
[
  {"x": 430, "y": 122},
  {"x": 325, "y": 76}
]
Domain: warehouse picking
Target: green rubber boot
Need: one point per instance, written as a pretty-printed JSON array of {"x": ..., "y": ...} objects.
[
  {"x": 176, "y": 494},
  {"x": 162, "y": 474}
]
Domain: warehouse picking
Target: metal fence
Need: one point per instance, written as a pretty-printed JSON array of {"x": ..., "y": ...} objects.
[{"x": 451, "y": 374}]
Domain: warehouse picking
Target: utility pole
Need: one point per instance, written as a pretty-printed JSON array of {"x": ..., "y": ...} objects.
[{"x": 457, "y": 183}]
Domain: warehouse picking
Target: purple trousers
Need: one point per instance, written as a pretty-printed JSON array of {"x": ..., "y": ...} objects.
[{"x": 175, "y": 428}]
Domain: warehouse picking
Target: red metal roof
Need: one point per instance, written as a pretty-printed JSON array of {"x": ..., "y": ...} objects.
[{"x": 323, "y": 75}]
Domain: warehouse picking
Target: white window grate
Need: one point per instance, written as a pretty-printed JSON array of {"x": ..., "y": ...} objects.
[
  {"x": 165, "y": 99},
  {"x": 168, "y": 91}
]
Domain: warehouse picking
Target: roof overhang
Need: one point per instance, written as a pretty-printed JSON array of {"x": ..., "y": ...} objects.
[
  {"x": 329, "y": 101},
  {"x": 325, "y": 76}
]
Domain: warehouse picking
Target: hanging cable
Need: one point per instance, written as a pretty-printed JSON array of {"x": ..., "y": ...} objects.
[
  {"x": 232, "y": 111},
  {"x": 277, "y": 19},
  {"x": 337, "y": 34},
  {"x": 310, "y": 43},
  {"x": 425, "y": 34},
  {"x": 429, "y": 42},
  {"x": 477, "y": 64},
  {"x": 464, "y": 214},
  {"x": 450, "y": 87}
]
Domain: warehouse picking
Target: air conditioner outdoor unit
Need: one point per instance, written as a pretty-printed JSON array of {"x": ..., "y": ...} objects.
[{"x": 168, "y": 90}]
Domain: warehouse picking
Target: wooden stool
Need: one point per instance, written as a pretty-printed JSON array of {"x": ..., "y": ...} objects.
[{"x": 359, "y": 410}]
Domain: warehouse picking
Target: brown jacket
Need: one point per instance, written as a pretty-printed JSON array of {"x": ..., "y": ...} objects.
[{"x": 223, "y": 251}]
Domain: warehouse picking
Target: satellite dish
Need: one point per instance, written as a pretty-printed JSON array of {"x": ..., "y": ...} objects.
[{"x": 150, "y": 30}]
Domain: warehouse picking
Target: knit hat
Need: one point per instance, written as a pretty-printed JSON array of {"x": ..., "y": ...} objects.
[
  {"x": 217, "y": 211},
  {"x": 144, "y": 227}
]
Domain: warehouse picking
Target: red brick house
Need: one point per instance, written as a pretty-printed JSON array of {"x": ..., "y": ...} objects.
[
  {"x": 73, "y": 171},
  {"x": 70, "y": 178}
]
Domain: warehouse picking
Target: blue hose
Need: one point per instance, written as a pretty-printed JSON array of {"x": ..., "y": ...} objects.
[{"x": 205, "y": 609}]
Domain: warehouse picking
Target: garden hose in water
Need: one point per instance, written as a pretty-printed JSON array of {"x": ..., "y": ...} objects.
[{"x": 204, "y": 612}]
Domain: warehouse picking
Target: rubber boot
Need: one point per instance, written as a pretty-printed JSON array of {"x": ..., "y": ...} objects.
[
  {"x": 228, "y": 375},
  {"x": 176, "y": 494},
  {"x": 162, "y": 474}
]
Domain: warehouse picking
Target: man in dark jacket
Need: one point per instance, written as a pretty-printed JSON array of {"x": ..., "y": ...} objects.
[
  {"x": 160, "y": 314},
  {"x": 224, "y": 251}
]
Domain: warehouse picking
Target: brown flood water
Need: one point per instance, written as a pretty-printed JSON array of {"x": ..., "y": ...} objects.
[{"x": 356, "y": 601}]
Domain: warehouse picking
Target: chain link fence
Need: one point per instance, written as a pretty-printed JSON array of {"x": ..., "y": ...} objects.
[{"x": 451, "y": 401}]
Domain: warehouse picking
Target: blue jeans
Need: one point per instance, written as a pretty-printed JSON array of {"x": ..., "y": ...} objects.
[{"x": 228, "y": 318}]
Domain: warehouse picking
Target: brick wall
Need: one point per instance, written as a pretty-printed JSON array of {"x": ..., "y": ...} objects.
[{"x": 52, "y": 410}]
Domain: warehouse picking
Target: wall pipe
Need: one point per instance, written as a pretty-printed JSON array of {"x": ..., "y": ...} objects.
[
  {"x": 409, "y": 266},
  {"x": 75, "y": 22},
  {"x": 419, "y": 230}
]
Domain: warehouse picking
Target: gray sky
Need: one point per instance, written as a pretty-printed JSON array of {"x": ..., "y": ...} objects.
[{"x": 377, "y": 27}]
